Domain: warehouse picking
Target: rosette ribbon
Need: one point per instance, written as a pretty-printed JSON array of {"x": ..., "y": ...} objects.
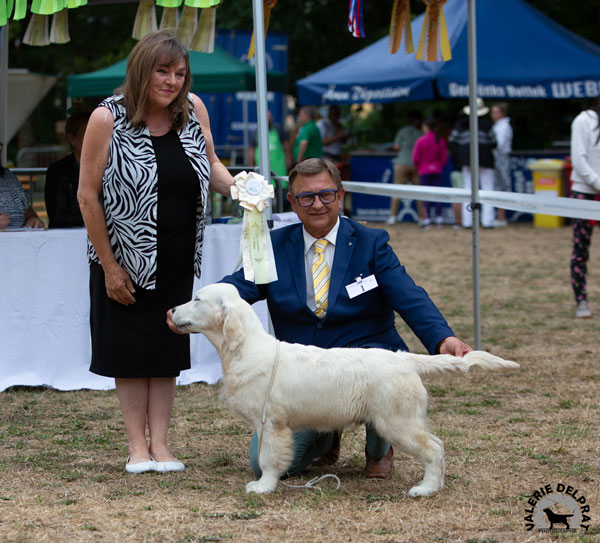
[
  {"x": 256, "y": 252},
  {"x": 434, "y": 43}
]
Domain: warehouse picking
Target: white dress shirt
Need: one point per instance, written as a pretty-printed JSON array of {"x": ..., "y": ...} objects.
[{"x": 309, "y": 254}]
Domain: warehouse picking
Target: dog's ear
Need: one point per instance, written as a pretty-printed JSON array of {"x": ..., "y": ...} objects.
[{"x": 233, "y": 331}]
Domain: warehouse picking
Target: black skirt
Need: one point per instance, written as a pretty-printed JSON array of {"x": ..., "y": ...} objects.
[{"x": 134, "y": 341}]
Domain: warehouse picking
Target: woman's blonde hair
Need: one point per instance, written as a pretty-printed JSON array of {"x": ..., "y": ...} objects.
[{"x": 154, "y": 48}]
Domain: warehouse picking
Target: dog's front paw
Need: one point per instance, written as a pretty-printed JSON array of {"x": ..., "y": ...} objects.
[
  {"x": 260, "y": 486},
  {"x": 421, "y": 490}
]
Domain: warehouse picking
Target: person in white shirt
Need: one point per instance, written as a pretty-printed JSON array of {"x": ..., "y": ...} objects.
[
  {"x": 585, "y": 177},
  {"x": 504, "y": 135}
]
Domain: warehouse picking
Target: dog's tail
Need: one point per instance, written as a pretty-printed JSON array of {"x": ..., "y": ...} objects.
[{"x": 428, "y": 365}]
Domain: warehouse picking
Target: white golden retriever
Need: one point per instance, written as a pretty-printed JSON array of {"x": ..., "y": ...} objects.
[{"x": 322, "y": 389}]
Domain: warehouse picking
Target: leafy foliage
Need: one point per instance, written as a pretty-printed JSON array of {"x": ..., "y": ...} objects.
[{"x": 318, "y": 36}]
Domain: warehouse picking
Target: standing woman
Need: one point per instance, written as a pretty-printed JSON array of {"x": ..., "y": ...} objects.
[
  {"x": 430, "y": 155},
  {"x": 147, "y": 163},
  {"x": 585, "y": 177}
]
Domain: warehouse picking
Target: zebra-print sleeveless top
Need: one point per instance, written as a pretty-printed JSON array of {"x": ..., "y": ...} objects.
[{"x": 130, "y": 194}]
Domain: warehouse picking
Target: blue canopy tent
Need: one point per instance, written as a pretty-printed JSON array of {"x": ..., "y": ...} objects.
[
  {"x": 521, "y": 54},
  {"x": 500, "y": 50}
]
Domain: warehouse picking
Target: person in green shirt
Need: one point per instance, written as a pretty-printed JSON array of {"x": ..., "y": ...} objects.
[
  {"x": 279, "y": 149},
  {"x": 404, "y": 169},
  {"x": 308, "y": 142}
]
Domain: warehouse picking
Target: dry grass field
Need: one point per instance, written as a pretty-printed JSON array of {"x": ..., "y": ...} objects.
[{"x": 62, "y": 454}]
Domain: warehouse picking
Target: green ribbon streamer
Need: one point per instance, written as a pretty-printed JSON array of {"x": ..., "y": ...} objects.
[
  {"x": 201, "y": 3},
  {"x": 47, "y": 7},
  {"x": 20, "y": 10},
  {"x": 3, "y": 13},
  {"x": 169, "y": 3}
]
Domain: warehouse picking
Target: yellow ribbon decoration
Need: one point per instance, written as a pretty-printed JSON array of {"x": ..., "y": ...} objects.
[
  {"x": 187, "y": 24},
  {"x": 268, "y": 5},
  {"x": 434, "y": 43},
  {"x": 256, "y": 251},
  {"x": 257, "y": 231},
  {"x": 169, "y": 19},
  {"x": 37, "y": 31},
  {"x": 59, "y": 30},
  {"x": 204, "y": 38},
  {"x": 400, "y": 22},
  {"x": 145, "y": 20}
]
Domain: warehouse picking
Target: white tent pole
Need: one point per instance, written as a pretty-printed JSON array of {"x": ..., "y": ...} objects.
[
  {"x": 3, "y": 91},
  {"x": 474, "y": 142},
  {"x": 261, "y": 94}
]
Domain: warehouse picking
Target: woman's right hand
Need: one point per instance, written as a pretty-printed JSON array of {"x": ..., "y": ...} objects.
[
  {"x": 118, "y": 285},
  {"x": 4, "y": 220}
]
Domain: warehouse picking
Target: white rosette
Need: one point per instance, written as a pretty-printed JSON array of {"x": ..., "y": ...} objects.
[{"x": 256, "y": 252}]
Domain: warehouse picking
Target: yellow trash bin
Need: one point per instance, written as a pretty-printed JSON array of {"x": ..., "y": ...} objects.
[{"x": 548, "y": 181}]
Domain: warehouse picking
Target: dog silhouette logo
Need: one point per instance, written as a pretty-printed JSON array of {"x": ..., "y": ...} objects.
[
  {"x": 555, "y": 518},
  {"x": 557, "y": 508}
]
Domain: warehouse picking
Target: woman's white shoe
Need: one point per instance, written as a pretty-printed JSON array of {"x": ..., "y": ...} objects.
[
  {"x": 141, "y": 467},
  {"x": 169, "y": 466}
]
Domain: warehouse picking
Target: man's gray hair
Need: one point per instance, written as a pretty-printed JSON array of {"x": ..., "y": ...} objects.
[{"x": 314, "y": 166}]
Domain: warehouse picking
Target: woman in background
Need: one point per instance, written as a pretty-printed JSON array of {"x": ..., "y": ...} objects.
[
  {"x": 585, "y": 177},
  {"x": 429, "y": 157},
  {"x": 147, "y": 163}
]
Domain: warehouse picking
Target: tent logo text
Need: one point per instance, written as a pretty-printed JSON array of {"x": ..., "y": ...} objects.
[{"x": 358, "y": 93}]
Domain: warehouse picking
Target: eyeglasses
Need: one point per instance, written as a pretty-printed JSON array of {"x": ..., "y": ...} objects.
[{"x": 306, "y": 199}]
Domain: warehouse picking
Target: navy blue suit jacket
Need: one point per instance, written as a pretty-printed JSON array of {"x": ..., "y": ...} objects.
[{"x": 366, "y": 320}]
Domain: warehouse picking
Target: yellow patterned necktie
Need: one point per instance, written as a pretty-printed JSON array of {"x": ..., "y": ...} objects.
[{"x": 321, "y": 276}]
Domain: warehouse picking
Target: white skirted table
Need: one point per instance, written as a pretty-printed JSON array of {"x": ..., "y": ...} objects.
[{"x": 44, "y": 307}]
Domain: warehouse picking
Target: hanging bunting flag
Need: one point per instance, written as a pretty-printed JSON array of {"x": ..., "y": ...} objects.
[
  {"x": 268, "y": 5},
  {"x": 20, "y": 10},
  {"x": 168, "y": 3},
  {"x": 5, "y": 11},
  {"x": 434, "y": 43},
  {"x": 169, "y": 19},
  {"x": 204, "y": 38},
  {"x": 59, "y": 31},
  {"x": 200, "y": 4},
  {"x": 400, "y": 23},
  {"x": 145, "y": 20},
  {"x": 76, "y": 3},
  {"x": 187, "y": 24},
  {"x": 47, "y": 7},
  {"x": 37, "y": 31},
  {"x": 355, "y": 18}
]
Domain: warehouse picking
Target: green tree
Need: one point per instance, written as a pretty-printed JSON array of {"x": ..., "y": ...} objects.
[{"x": 318, "y": 36}]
